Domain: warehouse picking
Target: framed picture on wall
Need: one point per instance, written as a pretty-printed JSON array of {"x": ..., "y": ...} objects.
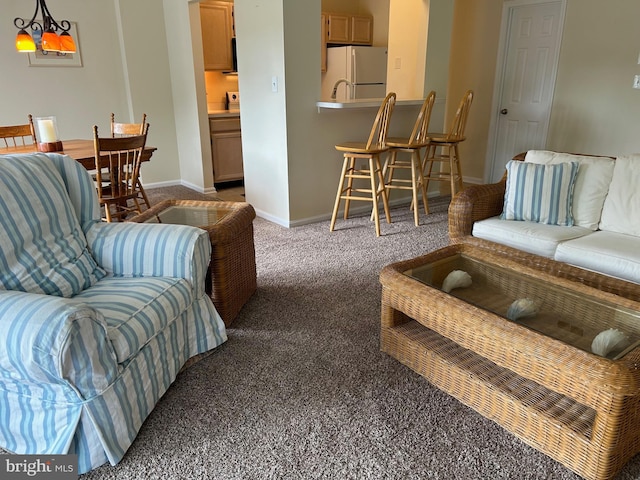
[{"x": 55, "y": 59}]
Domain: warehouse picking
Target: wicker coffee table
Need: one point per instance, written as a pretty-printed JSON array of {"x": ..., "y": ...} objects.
[
  {"x": 535, "y": 376},
  {"x": 231, "y": 279}
]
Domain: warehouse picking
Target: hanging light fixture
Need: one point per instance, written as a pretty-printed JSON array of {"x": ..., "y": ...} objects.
[{"x": 48, "y": 32}]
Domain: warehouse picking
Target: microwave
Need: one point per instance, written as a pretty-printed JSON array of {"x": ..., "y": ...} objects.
[{"x": 234, "y": 58}]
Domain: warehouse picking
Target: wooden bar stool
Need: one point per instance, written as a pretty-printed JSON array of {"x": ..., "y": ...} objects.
[
  {"x": 412, "y": 145},
  {"x": 448, "y": 143},
  {"x": 362, "y": 162}
]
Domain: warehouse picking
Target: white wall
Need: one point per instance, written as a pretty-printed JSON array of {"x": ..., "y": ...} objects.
[
  {"x": 290, "y": 162},
  {"x": 260, "y": 46}
]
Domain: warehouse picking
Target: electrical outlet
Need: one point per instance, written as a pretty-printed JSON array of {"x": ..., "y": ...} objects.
[{"x": 636, "y": 81}]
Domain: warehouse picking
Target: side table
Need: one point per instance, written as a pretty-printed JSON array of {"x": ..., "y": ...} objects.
[{"x": 232, "y": 272}]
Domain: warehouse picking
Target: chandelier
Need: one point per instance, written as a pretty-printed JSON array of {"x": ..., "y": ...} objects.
[{"x": 47, "y": 31}]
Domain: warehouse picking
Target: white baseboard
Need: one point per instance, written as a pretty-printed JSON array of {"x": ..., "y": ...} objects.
[{"x": 183, "y": 183}]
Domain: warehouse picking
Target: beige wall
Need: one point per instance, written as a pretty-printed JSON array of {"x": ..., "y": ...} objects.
[
  {"x": 109, "y": 80},
  {"x": 292, "y": 166},
  {"x": 408, "y": 25},
  {"x": 474, "y": 43},
  {"x": 595, "y": 110}
]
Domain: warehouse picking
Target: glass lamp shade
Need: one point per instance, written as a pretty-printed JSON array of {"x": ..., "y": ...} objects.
[
  {"x": 24, "y": 42},
  {"x": 50, "y": 41},
  {"x": 67, "y": 45}
]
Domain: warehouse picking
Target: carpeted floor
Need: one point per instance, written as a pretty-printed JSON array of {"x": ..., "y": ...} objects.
[{"x": 302, "y": 391}]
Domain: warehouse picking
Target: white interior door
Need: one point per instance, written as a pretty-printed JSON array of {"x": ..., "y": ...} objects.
[{"x": 530, "y": 46}]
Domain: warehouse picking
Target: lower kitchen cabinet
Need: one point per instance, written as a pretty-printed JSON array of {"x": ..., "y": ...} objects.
[{"x": 226, "y": 149}]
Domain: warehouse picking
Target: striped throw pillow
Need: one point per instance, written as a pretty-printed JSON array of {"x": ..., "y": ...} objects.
[
  {"x": 42, "y": 247},
  {"x": 540, "y": 193}
]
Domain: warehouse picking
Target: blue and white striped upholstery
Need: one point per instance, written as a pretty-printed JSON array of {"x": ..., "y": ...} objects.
[
  {"x": 540, "y": 193},
  {"x": 80, "y": 375},
  {"x": 42, "y": 247}
]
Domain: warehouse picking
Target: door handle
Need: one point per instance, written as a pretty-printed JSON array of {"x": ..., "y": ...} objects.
[{"x": 504, "y": 111}]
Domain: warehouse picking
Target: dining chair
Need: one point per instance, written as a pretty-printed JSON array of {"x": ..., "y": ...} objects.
[
  {"x": 448, "y": 145},
  {"x": 119, "y": 129},
  {"x": 124, "y": 129},
  {"x": 16, "y": 135},
  {"x": 362, "y": 162},
  {"x": 412, "y": 145},
  {"x": 119, "y": 158}
]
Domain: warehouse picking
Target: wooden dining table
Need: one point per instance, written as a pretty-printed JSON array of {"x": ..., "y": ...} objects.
[{"x": 80, "y": 150}]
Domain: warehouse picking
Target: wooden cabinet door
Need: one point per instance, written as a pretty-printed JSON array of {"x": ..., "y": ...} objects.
[
  {"x": 216, "y": 22},
  {"x": 226, "y": 150},
  {"x": 338, "y": 26},
  {"x": 361, "y": 30}
]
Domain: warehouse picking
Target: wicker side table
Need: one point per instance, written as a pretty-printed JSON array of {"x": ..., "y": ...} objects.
[{"x": 232, "y": 272}]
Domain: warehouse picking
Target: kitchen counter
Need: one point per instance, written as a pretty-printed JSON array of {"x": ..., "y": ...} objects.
[
  {"x": 363, "y": 103},
  {"x": 224, "y": 113}
]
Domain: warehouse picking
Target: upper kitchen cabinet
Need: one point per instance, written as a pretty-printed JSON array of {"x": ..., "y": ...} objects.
[
  {"x": 346, "y": 29},
  {"x": 216, "y": 19}
]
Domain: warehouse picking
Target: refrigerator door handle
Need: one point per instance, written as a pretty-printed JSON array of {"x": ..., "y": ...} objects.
[{"x": 354, "y": 66}]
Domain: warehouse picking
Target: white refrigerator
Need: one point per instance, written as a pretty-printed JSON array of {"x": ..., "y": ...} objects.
[{"x": 364, "y": 67}]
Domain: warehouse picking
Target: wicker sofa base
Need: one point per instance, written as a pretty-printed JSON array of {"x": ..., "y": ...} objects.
[{"x": 581, "y": 410}]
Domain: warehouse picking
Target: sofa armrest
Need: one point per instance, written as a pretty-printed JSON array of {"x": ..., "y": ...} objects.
[
  {"x": 474, "y": 203},
  {"x": 49, "y": 340},
  {"x": 152, "y": 250}
]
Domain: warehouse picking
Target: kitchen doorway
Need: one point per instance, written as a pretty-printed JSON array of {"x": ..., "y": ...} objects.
[{"x": 530, "y": 39}]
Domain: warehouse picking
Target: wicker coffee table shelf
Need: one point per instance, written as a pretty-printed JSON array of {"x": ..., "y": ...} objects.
[{"x": 579, "y": 408}]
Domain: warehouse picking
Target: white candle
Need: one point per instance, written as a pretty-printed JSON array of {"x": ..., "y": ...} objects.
[{"x": 47, "y": 131}]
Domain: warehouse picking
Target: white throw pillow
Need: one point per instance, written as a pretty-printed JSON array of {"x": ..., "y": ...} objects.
[
  {"x": 621, "y": 211},
  {"x": 591, "y": 187},
  {"x": 540, "y": 193}
]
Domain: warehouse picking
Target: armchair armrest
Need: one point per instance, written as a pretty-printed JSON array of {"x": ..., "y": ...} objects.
[
  {"x": 151, "y": 250},
  {"x": 474, "y": 203},
  {"x": 49, "y": 340}
]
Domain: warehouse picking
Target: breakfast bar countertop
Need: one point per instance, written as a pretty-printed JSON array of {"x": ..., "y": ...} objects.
[
  {"x": 224, "y": 113},
  {"x": 363, "y": 103}
]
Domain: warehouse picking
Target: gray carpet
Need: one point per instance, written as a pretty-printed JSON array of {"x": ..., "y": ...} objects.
[{"x": 302, "y": 391}]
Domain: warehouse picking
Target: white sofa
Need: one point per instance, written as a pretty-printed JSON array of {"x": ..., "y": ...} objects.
[{"x": 604, "y": 202}]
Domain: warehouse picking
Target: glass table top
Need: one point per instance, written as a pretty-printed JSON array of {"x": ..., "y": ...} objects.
[
  {"x": 197, "y": 216},
  {"x": 573, "y": 316}
]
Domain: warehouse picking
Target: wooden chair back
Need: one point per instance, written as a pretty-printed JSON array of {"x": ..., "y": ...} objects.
[
  {"x": 419, "y": 135},
  {"x": 126, "y": 129},
  {"x": 16, "y": 135},
  {"x": 380, "y": 127},
  {"x": 119, "y": 159},
  {"x": 456, "y": 133}
]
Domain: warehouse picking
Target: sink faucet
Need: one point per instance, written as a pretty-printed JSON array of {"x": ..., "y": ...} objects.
[{"x": 335, "y": 88}]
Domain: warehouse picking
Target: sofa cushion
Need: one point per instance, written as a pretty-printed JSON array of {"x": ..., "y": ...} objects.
[
  {"x": 531, "y": 237},
  {"x": 540, "y": 193},
  {"x": 621, "y": 210},
  {"x": 591, "y": 186},
  {"x": 137, "y": 309},
  {"x": 613, "y": 254},
  {"x": 42, "y": 246}
]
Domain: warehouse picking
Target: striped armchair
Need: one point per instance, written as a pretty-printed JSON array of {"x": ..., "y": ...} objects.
[{"x": 96, "y": 319}]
